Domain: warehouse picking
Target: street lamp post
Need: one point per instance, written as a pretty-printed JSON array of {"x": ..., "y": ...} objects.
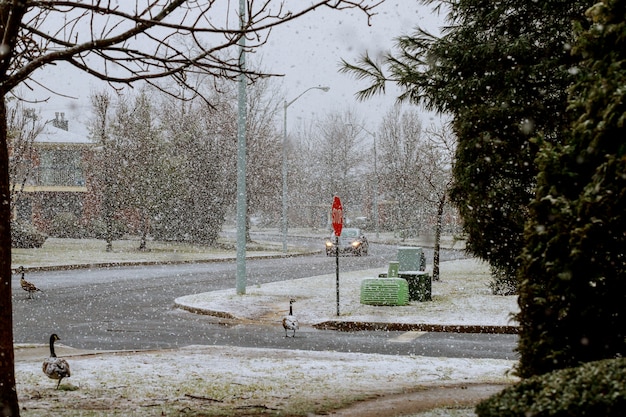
[
  {"x": 284, "y": 214},
  {"x": 375, "y": 200}
]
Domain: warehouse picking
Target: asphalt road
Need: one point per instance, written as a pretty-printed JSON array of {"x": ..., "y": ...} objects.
[{"x": 132, "y": 308}]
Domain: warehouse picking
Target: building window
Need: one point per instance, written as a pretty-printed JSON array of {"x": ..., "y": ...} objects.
[{"x": 61, "y": 167}]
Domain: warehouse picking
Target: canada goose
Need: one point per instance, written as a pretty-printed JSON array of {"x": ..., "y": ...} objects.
[
  {"x": 27, "y": 286},
  {"x": 290, "y": 322},
  {"x": 53, "y": 367}
]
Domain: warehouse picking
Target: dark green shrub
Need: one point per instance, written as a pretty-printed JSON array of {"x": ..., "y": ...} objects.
[
  {"x": 573, "y": 274},
  {"x": 593, "y": 389},
  {"x": 503, "y": 282},
  {"x": 66, "y": 225},
  {"x": 26, "y": 236}
]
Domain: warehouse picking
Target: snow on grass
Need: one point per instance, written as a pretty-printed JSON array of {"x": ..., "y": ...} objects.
[
  {"x": 59, "y": 252},
  {"x": 220, "y": 380},
  {"x": 460, "y": 297}
]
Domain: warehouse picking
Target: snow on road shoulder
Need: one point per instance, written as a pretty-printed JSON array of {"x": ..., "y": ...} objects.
[{"x": 461, "y": 297}]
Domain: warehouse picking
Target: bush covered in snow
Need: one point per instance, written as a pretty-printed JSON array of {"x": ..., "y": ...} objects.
[
  {"x": 25, "y": 236},
  {"x": 66, "y": 225},
  {"x": 502, "y": 282},
  {"x": 593, "y": 389}
]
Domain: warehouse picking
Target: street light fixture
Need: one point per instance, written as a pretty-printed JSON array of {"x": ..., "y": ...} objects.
[{"x": 284, "y": 215}]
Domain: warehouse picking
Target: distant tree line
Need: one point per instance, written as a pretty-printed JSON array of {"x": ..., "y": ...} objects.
[
  {"x": 398, "y": 165},
  {"x": 164, "y": 167}
]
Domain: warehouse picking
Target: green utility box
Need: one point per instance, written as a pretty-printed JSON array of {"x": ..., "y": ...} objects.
[
  {"x": 420, "y": 285},
  {"x": 394, "y": 268},
  {"x": 385, "y": 292},
  {"x": 411, "y": 259}
]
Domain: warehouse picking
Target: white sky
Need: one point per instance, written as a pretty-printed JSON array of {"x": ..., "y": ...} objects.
[{"x": 307, "y": 51}]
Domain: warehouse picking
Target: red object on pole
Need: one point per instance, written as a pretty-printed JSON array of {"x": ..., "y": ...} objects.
[{"x": 337, "y": 216}]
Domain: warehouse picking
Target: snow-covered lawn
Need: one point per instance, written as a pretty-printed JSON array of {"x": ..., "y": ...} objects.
[
  {"x": 460, "y": 297},
  {"x": 218, "y": 380}
]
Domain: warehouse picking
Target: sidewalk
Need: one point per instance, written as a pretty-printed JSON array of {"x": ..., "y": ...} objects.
[{"x": 58, "y": 254}]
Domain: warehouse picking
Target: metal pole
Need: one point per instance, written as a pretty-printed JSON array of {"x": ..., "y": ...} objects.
[
  {"x": 284, "y": 213},
  {"x": 376, "y": 222},
  {"x": 285, "y": 198},
  {"x": 337, "y": 269},
  {"x": 241, "y": 161}
]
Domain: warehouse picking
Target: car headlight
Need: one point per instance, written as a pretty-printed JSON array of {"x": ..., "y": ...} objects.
[
  {"x": 329, "y": 244},
  {"x": 356, "y": 244}
]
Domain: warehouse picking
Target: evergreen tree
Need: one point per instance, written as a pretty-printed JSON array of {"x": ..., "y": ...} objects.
[
  {"x": 501, "y": 70},
  {"x": 573, "y": 288}
]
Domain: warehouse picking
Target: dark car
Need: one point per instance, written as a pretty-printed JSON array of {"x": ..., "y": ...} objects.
[{"x": 351, "y": 241}]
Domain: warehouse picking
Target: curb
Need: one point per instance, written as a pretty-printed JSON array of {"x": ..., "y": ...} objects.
[
  {"x": 205, "y": 312},
  {"x": 355, "y": 326},
  {"x": 154, "y": 263}
]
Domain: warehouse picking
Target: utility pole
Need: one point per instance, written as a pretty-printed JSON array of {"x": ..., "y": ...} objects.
[{"x": 241, "y": 159}]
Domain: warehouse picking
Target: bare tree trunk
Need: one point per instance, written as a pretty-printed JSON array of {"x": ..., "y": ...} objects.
[
  {"x": 109, "y": 232},
  {"x": 8, "y": 391},
  {"x": 143, "y": 244},
  {"x": 440, "y": 208},
  {"x": 248, "y": 238},
  {"x": 101, "y": 103}
]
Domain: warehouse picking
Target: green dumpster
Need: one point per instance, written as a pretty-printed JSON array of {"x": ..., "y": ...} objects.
[{"x": 420, "y": 285}]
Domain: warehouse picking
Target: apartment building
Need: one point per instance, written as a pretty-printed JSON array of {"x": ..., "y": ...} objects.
[{"x": 55, "y": 181}]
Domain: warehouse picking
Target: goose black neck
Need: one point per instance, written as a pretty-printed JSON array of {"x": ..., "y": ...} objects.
[
  {"x": 290, "y": 309},
  {"x": 52, "y": 354}
]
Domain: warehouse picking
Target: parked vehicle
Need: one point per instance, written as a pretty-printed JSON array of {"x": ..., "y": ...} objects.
[{"x": 352, "y": 241}]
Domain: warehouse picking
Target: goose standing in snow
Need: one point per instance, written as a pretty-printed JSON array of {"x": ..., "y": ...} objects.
[
  {"x": 290, "y": 322},
  {"x": 53, "y": 367},
  {"x": 27, "y": 286}
]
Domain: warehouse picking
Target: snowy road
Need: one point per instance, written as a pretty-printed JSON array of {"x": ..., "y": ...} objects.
[{"x": 131, "y": 308}]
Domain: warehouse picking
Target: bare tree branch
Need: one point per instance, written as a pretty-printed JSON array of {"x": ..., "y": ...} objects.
[
  {"x": 125, "y": 44},
  {"x": 121, "y": 43}
]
